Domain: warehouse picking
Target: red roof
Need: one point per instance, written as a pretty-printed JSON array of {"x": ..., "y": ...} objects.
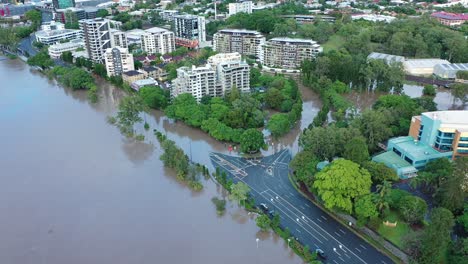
[{"x": 450, "y": 16}]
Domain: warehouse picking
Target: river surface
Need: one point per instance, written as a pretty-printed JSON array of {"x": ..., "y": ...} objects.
[{"x": 73, "y": 190}]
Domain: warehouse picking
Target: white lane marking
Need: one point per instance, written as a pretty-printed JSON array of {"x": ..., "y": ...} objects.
[
  {"x": 324, "y": 218},
  {"x": 298, "y": 230},
  {"x": 263, "y": 191},
  {"x": 384, "y": 262},
  {"x": 358, "y": 250},
  {"x": 337, "y": 234},
  {"x": 335, "y": 261},
  {"x": 344, "y": 233},
  {"x": 319, "y": 220},
  {"x": 303, "y": 208},
  {"x": 362, "y": 246},
  {"x": 341, "y": 259},
  {"x": 307, "y": 205},
  {"x": 347, "y": 256}
]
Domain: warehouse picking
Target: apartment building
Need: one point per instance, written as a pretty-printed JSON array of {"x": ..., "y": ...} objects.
[
  {"x": 168, "y": 15},
  {"x": 52, "y": 25},
  {"x": 241, "y": 6},
  {"x": 56, "y": 50},
  {"x": 432, "y": 135},
  {"x": 190, "y": 30},
  {"x": 450, "y": 19},
  {"x": 157, "y": 41},
  {"x": 288, "y": 53},
  {"x": 198, "y": 81},
  {"x": 118, "y": 61},
  {"x": 118, "y": 38},
  {"x": 222, "y": 72},
  {"x": 230, "y": 71},
  {"x": 245, "y": 42},
  {"x": 97, "y": 37}
]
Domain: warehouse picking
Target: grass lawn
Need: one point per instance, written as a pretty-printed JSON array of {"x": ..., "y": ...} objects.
[
  {"x": 334, "y": 43},
  {"x": 394, "y": 234}
]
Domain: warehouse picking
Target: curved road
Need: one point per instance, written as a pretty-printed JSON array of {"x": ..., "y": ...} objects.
[{"x": 269, "y": 183}]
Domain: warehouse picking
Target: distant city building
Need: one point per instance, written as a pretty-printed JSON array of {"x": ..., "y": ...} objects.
[
  {"x": 56, "y": 50},
  {"x": 230, "y": 71},
  {"x": 118, "y": 38},
  {"x": 423, "y": 67},
  {"x": 168, "y": 15},
  {"x": 373, "y": 17},
  {"x": 155, "y": 72},
  {"x": 197, "y": 81},
  {"x": 245, "y": 42},
  {"x": 52, "y": 25},
  {"x": 14, "y": 10},
  {"x": 190, "y": 30},
  {"x": 449, "y": 71},
  {"x": 138, "y": 84},
  {"x": 241, "y": 6},
  {"x": 118, "y": 61},
  {"x": 130, "y": 77},
  {"x": 70, "y": 15},
  {"x": 288, "y": 53},
  {"x": 62, "y": 4},
  {"x": 308, "y": 19},
  {"x": 157, "y": 41},
  {"x": 432, "y": 135},
  {"x": 53, "y": 36},
  {"x": 450, "y": 19},
  {"x": 97, "y": 36},
  {"x": 134, "y": 36}
]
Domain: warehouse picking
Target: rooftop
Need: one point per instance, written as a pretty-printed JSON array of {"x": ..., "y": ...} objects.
[
  {"x": 296, "y": 40},
  {"x": 155, "y": 30},
  {"x": 386, "y": 57},
  {"x": 132, "y": 73},
  {"x": 424, "y": 63},
  {"x": 233, "y": 30},
  {"x": 417, "y": 149},
  {"x": 392, "y": 160},
  {"x": 72, "y": 44},
  {"x": 450, "y": 118},
  {"x": 450, "y": 16},
  {"x": 56, "y": 32},
  {"x": 454, "y": 66}
]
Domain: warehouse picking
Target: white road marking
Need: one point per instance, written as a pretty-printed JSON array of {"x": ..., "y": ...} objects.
[
  {"x": 324, "y": 218},
  {"x": 335, "y": 261},
  {"x": 307, "y": 205},
  {"x": 342, "y": 231},
  {"x": 362, "y": 246},
  {"x": 298, "y": 230},
  {"x": 341, "y": 259},
  {"x": 337, "y": 234},
  {"x": 319, "y": 220},
  {"x": 358, "y": 250}
]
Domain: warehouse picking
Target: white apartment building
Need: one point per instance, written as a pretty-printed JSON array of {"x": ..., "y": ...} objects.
[
  {"x": 288, "y": 53},
  {"x": 168, "y": 15},
  {"x": 118, "y": 61},
  {"x": 118, "y": 38},
  {"x": 56, "y": 50},
  {"x": 97, "y": 37},
  {"x": 198, "y": 81},
  {"x": 230, "y": 71},
  {"x": 245, "y": 42},
  {"x": 222, "y": 72},
  {"x": 158, "y": 41},
  {"x": 50, "y": 37},
  {"x": 189, "y": 27},
  {"x": 238, "y": 7}
]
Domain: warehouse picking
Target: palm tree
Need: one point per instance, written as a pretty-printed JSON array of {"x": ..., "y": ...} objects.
[{"x": 382, "y": 197}]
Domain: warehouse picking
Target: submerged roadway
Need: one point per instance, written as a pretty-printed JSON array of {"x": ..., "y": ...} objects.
[{"x": 268, "y": 180}]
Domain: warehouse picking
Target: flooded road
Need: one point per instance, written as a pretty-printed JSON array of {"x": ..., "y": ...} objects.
[{"x": 73, "y": 190}]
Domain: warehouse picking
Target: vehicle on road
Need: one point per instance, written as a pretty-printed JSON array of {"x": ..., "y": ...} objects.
[
  {"x": 320, "y": 253},
  {"x": 263, "y": 207},
  {"x": 271, "y": 213}
]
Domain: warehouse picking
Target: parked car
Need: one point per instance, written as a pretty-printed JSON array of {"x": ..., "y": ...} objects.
[
  {"x": 320, "y": 253},
  {"x": 263, "y": 207}
]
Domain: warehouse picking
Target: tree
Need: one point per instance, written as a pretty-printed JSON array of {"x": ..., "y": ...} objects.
[
  {"x": 383, "y": 195},
  {"x": 460, "y": 91},
  {"x": 154, "y": 97},
  {"x": 451, "y": 193},
  {"x": 340, "y": 183},
  {"x": 100, "y": 69},
  {"x": 129, "y": 112},
  {"x": 380, "y": 172},
  {"x": 263, "y": 222},
  {"x": 413, "y": 209},
  {"x": 429, "y": 90},
  {"x": 251, "y": 141},
  {"x": 304, "y": 165},
  {"x": 365, "y": 209},
  {"x": 375, "y": 126},
  {"x": 67, "y": 56},
  {"x": 279, "y": 124},
  {"x": 356, "y": 150},
  {"x": 458, "y": 253},
  {"x": 41, "y": 59},
  {"x": 436, "y": 236},
  {"x": 102, "y": 13},
  {"x": 35, "y": 17},
  {"x": 239, "y": 192},
  {"x": 274, "y": 98}
]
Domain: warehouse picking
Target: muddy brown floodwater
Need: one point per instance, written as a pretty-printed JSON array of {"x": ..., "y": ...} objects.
[{"x": 73, "y": 190}]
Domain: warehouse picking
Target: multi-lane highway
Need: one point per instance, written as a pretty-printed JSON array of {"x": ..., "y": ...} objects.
[{"x": 268, "y": 180}]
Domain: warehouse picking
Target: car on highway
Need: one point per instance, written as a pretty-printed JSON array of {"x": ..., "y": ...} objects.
[
  {"x": 320, "y": 253},
  {"x": 263, "y": 207}
]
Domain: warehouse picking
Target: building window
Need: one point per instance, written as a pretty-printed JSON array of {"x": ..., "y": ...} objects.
[{"x": 409, "y": 160}]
